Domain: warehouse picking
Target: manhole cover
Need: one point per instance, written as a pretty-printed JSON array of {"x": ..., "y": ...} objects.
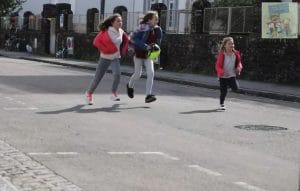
[{"x": 260, "y": 127}]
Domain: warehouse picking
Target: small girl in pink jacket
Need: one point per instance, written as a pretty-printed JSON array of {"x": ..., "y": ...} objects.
[{"x": 228, "y": 66}]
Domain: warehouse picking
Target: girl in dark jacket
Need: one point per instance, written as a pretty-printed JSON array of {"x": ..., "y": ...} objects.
[
  {"x": 148, "y": 35},
  {"x": 112, "y": 42},
  {"x": 228, "y": 66}
]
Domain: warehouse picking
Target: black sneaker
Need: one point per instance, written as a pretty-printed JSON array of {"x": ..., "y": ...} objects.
[
  {"x": 130, "y": 91},
  {"x": 150, "y": 98}
]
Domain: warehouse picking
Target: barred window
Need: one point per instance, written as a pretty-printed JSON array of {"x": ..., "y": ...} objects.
[{"x": 227, "y": 20}]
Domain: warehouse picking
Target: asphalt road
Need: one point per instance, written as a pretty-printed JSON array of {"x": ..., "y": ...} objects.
[{"x": 180, "y": 142}]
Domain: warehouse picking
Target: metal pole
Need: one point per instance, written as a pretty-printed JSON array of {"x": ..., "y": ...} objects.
[
  {"x": 133, "y": 6},
  {"x": 100, "y": 7},
  {"x": 299, "y": 180}
]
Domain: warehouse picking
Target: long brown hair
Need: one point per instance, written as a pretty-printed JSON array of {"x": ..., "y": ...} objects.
[
  {"x": 148, "y": 16},
  {"x": 108, "y": 22}
]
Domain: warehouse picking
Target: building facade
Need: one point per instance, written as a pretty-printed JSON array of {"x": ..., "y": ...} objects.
[{"x": 131, "y": 11}]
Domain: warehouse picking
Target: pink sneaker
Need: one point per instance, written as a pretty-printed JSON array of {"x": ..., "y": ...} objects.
[
  {"x": 89, "y": 98},
  {"x": 114, "y": 97}
]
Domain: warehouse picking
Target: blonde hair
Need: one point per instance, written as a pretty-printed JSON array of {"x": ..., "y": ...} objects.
[{"x": 224, "y": 41}]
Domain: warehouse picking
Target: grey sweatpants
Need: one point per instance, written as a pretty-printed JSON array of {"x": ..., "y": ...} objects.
[{"x": 101, "y": 70}]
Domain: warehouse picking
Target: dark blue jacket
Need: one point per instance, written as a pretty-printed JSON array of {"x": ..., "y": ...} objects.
[{"x": 140, "y": 36}]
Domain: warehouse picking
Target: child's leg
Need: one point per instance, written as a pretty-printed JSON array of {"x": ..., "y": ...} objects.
[
  {"x": 101, "y": 70},
  {"x": 138, "y": 67},
  {"x": 150, "y": 76},
  {"x": 223, "y": 89},
  {"x": 115, "y": 67},
  {"x": 233, "y": 84}
]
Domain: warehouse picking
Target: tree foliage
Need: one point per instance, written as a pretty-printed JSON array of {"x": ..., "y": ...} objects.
[{"x": 9, "y": 6}]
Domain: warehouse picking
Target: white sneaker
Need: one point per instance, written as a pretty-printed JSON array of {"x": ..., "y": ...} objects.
[
  {"x": 222, "y": 107},
  {"x": 89, "y": 98},
  {"x": 114, "y": 97}
]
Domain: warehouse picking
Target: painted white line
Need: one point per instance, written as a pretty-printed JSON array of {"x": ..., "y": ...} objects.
[
  {"x": 121, "y": 153},
  {"x": 145, "y": 153},
  {"x": 205, "y": 170},
  {"x": 33, "y": 154},
  {"x": 20, "y": 102},
  {"x": 67, "y": 153},
  {"x": 248, "y": 186},
  {"x": 7, "y": 185},
  {"x": 9, "y": 98},
  {"x": 161, "y": 154},
  {"x": 57, "y": 153},
  {"x": 19, "y": 108},
  {"x": 170, "y": 157},
  {"x": 151, "y": 153}
]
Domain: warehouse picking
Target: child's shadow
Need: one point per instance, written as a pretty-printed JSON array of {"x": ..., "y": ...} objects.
[
  {"x": 79, "y": 109},
  {"x": 200, "y": 111}
]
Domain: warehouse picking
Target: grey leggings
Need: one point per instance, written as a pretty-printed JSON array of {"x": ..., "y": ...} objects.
[{"x": 101, "y": 70}]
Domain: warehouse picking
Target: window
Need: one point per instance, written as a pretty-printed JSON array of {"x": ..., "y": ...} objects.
[{"x": 171, "y": 19}]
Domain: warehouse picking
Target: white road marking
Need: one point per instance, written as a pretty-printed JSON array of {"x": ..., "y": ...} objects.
[
  {"x": 20, "y": 102},
  {"x": 12, "y": 99},
  {"x": 19, "y": 108},
  {"x": 121, "y": 153},
  {"x": 161, "y": 154},
  {"x": 205, "y": 170},
  {"x": 145, "y": 153},
  {"x": 248, "y": 186},
  {"x": 6, "y": 185},
  {"x": 57, "y": 153},
  {"x": 9, "y": 98},
  {"x": 67, "y": 153}
]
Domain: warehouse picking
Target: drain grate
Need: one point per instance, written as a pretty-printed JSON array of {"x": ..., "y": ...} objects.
[{"x": 260, "y": 127}]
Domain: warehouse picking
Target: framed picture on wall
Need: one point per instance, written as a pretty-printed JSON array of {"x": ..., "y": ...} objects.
[{"x": 280, "y": 20}]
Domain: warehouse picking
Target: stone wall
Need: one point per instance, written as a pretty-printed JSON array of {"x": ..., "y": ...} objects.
[
  {"x": 264, "y": 59},
  {"x": 29, "y": 37}
]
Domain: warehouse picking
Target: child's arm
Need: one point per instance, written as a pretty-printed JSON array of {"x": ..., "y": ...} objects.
[
  {"x": 219, "y": 65},
  {"x": 239, "y": 67}
]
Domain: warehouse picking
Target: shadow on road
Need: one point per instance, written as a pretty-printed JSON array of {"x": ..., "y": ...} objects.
[
  {"x": 200, "y": 111},
  {"x": 79, "y": 109}
]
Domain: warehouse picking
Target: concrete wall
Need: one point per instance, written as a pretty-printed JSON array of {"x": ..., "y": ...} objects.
[
  {"x": 131, "y": 5},
  {"x": 79, "y": 7},
  {"x": 36, "y": 7}
]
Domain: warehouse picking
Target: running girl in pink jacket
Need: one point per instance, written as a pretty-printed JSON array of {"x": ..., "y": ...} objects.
[{"x": 112, "y": 42}]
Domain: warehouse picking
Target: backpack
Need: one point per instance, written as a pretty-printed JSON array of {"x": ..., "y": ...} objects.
[
  {"x": 130, "y": 51},
  {"x": 135, "y": 36}
]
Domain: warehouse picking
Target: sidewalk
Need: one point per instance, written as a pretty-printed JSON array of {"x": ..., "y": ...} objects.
[{"x": 274, "y": 91}]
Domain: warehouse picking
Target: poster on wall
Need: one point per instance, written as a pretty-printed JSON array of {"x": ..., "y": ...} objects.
[
  {"x": 280, "y": 20},
  {"x": 70, "y": 45}
]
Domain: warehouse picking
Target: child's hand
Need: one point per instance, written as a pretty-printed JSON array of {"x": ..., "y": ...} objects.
[{"x": 238, "y": 70}]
